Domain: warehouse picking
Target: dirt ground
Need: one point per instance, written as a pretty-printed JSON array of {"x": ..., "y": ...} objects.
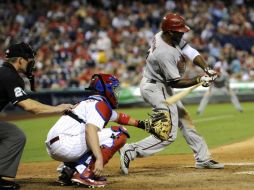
[{"x": 160, "y": 172}]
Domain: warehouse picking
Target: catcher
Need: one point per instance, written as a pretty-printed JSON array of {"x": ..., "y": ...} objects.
[{"x": 80, "y": 140}]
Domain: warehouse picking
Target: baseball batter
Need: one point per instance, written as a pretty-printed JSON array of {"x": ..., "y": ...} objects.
[
  {"x": 221, "y": 84},
  {"x": 165, "y": 65}
]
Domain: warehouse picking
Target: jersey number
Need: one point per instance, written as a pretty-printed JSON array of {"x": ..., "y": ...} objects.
[{"x": 19, "y": 92}]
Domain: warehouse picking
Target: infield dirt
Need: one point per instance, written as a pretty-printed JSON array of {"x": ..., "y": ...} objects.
[{"x": 160, "y": 172}]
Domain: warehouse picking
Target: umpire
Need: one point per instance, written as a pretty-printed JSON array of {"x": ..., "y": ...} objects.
[{"x": 20, "y": 58}]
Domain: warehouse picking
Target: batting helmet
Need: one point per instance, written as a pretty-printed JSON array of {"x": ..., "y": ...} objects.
[
  {"x": 106, "y": 85},
  {"x": 174, "y": 22}
]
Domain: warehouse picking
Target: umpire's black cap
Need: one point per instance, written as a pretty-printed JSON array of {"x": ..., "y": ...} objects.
[{"x": 20, "y": 50}]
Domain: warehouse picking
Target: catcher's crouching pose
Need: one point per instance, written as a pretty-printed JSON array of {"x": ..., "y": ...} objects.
[{"x": 80, "y": 140}]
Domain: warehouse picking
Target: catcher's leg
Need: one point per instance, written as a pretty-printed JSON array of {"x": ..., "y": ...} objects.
[
  {"x": 195, "y": 141},
  {"x": 114, "y": 139}
]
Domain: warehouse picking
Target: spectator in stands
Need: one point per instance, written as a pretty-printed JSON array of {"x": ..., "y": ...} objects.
[{"x": 69, "y": 35}]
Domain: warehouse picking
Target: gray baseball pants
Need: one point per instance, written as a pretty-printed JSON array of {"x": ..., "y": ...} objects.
[
  {"x": 12, "y": 143},
  {"x": 155, "y": 94}
]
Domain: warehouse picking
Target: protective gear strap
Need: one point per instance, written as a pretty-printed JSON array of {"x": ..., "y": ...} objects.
[
  {"x": 121, "y": 130},
  {"x": 190, "y": 52}
]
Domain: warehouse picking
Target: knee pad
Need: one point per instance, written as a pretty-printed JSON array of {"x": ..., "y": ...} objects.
[
  {"x": 120, "y": 129},
  {"x": 118, "y": 142}
]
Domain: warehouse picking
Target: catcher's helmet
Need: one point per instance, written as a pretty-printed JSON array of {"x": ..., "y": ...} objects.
[
  {"x": 174, "y": 22},
  {"x": 106, "y": 85}
]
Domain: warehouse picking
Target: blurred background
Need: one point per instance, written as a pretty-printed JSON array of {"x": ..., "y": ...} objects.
[{"x": 75, "y": 39}]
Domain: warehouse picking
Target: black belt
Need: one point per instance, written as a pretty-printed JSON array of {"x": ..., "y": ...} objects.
[
  {"x": 54, "y": 140},
  {"x": 151, "y": 81},
  {"x": 74, "y": 116}
]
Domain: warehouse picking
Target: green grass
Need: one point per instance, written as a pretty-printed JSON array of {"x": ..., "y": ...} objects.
[{"x": 220, "y": 124}]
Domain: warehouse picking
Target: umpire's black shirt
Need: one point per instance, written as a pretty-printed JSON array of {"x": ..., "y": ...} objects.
[{"x": 11, "y": 86}]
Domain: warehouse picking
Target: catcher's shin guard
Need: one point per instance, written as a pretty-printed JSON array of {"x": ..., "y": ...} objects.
[
  {"x": 87, "y": 177},
  {"x": 119, "y": 141}
]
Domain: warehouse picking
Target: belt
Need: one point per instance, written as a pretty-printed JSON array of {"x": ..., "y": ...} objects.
[
  {"x": 54, "y": 140},
  {"x": 74, "y": 116},
  {"x": 151, "y": 81}
]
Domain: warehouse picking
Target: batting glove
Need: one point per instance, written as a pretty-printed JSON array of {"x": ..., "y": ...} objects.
[
  {"x": 210, "y": 71},
  {"x": 206, "y": 80}
]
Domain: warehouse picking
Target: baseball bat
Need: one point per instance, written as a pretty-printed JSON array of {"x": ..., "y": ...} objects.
[{"x": 173, "y": 99}]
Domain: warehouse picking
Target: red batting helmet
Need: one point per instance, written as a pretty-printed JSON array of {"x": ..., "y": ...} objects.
[{"x": 174, "y": 22}]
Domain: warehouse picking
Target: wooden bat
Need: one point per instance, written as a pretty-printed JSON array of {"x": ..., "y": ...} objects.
[{"x": 173, "y": 99}]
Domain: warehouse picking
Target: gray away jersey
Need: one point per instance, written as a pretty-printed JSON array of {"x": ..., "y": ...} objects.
[{"x": 164, "y": 63}]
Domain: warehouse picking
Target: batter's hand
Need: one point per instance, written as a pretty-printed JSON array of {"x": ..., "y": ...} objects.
[
  {"x": 206, "y": 80},
  {"x": 211, "y": 73},
  {"x": 98, "y": 167}
]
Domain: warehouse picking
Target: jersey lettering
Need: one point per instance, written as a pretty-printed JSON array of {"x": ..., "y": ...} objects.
[{"x": 19, "y": 92}]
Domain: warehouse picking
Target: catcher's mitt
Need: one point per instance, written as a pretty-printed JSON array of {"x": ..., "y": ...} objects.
[{"x": 158, "y": 124}]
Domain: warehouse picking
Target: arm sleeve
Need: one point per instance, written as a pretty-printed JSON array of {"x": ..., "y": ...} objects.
[
  {"x": 15, "y": 90},
  {"x": 113, "y": 116},
  {"x": 190, "y": 52}
]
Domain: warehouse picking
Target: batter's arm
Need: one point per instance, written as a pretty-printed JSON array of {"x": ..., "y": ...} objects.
[
  {"x": 199, "y": 61},
  {"x": 184, "y": 83}
]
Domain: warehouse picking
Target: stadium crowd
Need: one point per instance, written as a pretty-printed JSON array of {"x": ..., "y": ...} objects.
[{"x": 75, "y": 39}]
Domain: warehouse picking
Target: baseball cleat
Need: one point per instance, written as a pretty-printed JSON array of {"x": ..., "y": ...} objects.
[
  {"x": 65, "y": 176},
  {"x": 64, "y": 181},
  {"x": 88, "y": 182},
  {"x": 8, "y": 185},
  {"x": 124, "y": 161},
  {"x": 210, "y": 164}
]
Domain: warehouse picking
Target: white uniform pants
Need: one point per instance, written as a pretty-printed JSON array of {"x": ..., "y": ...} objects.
[{"x": 69, "y": 148}]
